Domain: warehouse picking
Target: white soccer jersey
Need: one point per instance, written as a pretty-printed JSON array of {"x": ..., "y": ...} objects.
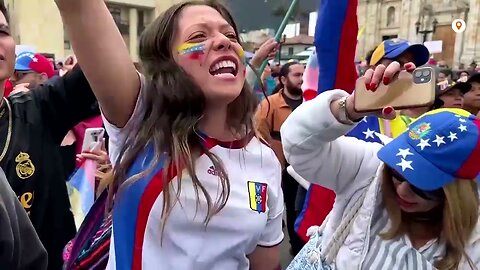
[{"x": 251, "y": 217}]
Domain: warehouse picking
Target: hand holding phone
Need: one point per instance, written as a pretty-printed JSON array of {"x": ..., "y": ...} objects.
[
  {"x": 93, "y": 139},
  {"x": 400, "y": 90}
]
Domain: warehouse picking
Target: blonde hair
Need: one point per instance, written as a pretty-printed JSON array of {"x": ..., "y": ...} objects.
[{"x": 460, "y": 216}]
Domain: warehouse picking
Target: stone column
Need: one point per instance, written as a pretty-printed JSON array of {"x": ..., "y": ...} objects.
[
  {"x": 471, "y": 46},
  {"x": 133, "y": 36},
  {"x": 460, "y": 39},
  {"x": 405, "y": 18},
  {"x": 415, "y": 7}
]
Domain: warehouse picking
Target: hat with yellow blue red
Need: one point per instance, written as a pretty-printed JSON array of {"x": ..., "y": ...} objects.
[
  {"x": 439, "y": 147},
  {"x": 393, "y": 48}
]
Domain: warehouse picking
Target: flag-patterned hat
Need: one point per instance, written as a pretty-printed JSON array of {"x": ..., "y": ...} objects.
[
  {"x": 28, "y": 61},
  {"x": 393, "y": 48},
  {"x": 439, "y": 147}
]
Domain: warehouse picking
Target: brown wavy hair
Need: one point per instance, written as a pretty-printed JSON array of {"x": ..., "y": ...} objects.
[
  {"x": 174, "y": 104},
  {"x": 460, "y": 216}
]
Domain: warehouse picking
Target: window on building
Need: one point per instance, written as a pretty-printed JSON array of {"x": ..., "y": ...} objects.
[
  {"x": 66, "y": 40},
  {"x": 116, "y": 13},
  {"x": 390, "y": 16},
  {"x": 290, "y": 51},
  {"x": 389, "y": 37}
]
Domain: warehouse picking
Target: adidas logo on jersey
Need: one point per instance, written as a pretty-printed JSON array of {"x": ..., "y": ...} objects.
[{"x": 212, "y": 171}]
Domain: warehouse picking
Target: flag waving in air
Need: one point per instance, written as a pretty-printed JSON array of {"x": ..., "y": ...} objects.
[{"x": 336, "y": 35}]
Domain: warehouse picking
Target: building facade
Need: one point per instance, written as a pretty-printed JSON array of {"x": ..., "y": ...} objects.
[
  {"x": 37, "y": 23},
  {"x": 415, "y": 19}
]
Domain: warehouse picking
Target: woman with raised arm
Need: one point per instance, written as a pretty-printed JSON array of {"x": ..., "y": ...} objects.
[
  {"x": 411, "y": 204},
  {"x": 193, "y": 186}
]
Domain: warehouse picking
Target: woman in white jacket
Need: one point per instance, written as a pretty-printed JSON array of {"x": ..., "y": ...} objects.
[{"x": 411, "y": 204}]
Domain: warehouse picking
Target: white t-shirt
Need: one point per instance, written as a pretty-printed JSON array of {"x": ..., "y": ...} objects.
[{"x": 251, "y": 217}]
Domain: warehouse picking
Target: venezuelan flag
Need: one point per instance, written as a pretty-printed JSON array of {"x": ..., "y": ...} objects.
[
  {"x": 336, "y": 36},
  {"x": 81, "y": 189}
]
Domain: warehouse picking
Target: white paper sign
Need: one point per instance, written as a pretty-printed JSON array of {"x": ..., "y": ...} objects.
[{"x": 434, "y": 46}]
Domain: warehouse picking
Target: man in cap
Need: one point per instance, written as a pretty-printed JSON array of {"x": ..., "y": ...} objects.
[
  {"x": 403, "y": 52},
  {"x": 449, "y": 94},
  {"x": 471, "y": 101},
  {"x": 399, "y": 50},
  {"x": 32, "y": 69}
]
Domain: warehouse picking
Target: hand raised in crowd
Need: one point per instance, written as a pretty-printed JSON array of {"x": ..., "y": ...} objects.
[
  {"x": 22, "y": 87},
  {"x": 69, "y": 63},
  {"x": 266, "y": 51},
  {"x": 373, "y": 78}
]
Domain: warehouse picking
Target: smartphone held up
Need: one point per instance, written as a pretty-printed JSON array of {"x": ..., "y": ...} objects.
[{"x": 408, "y": 90}]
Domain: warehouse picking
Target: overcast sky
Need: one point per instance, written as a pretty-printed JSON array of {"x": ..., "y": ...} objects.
[{"x": 257, "y": 14}]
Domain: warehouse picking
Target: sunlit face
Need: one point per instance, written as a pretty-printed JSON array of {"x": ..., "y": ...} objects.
[
  {"x": 452, "y": 99},
  {"x": 7, "y": 50},
  {"x": 413, "y": 200},
  {"x": 472, "y": 97},
  {"x": 207, "y": 48}
]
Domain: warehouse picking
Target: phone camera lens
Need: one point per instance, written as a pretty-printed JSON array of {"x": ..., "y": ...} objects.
[
  {"x": 426, "y": 72},
  {"x": 418, "y": 74}
]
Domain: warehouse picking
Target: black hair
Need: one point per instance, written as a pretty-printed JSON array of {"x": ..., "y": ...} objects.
[
  {"x": 369, "y": 55},
  {"x": 284, "y": 70},
  {"x": 4, "y": 10}
]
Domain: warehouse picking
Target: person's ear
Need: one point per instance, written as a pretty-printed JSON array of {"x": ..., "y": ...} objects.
[{"x": 43, "y": 77}]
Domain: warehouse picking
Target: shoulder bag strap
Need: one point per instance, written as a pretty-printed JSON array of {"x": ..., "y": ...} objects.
[{"x": 331, "y": 249}]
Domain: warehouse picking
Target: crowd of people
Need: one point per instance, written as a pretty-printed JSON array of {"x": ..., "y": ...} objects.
[{"x": 204, "y": 159}]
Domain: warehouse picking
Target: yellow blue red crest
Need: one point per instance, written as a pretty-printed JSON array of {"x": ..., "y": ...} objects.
[
  {"x": 419, "y": 131},
  {"x": 257, "y": 193}
]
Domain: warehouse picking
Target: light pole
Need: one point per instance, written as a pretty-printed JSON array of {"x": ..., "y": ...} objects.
[
  {"x": 425, "y": 32},
  {"x": 422, "y": 24}
]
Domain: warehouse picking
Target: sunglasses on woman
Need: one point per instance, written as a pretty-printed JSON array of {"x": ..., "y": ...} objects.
[{"x": 431, "y": 195}]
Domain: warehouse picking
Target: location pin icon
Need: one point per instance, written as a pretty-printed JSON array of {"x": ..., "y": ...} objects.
[{"x": 458, "y": 24}]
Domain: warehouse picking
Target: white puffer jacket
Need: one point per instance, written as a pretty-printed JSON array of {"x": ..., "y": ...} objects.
[{"x": 315, "y": 147}]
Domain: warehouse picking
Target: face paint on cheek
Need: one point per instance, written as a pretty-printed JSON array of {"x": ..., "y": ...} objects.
[
  {"x": 241, "y": 54},
  {"x": 191, "y": 50}
]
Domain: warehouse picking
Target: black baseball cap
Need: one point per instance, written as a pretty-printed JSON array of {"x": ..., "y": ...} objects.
[
  {"x": 474, "y": 78},
  {"x": 447, "y": 85}
]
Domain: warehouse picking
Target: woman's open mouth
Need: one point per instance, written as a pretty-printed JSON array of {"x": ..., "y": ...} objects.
[{"x": 224, "y": 67}]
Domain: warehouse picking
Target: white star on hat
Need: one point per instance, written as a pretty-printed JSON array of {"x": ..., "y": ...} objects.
[
  {"x": 452, "y": 136},
  {"x": 423, "y": 143},
  {"x": 404, "y": 152},
  {"x": 439, "y": 140},
  {"x": 462, "y": 128},
  {"x": 34, "y": 59},
  {"x": 369, "y": 133},
  {"x": 364, "y": 119},
  {"x": 405, "y": 164},
  {"x": 462, "y": 120}
]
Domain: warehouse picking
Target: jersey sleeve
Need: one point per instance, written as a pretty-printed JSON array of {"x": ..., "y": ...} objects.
[
  {"x": 273, "y": 233},
  {"x": 117, "y": 135}
]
